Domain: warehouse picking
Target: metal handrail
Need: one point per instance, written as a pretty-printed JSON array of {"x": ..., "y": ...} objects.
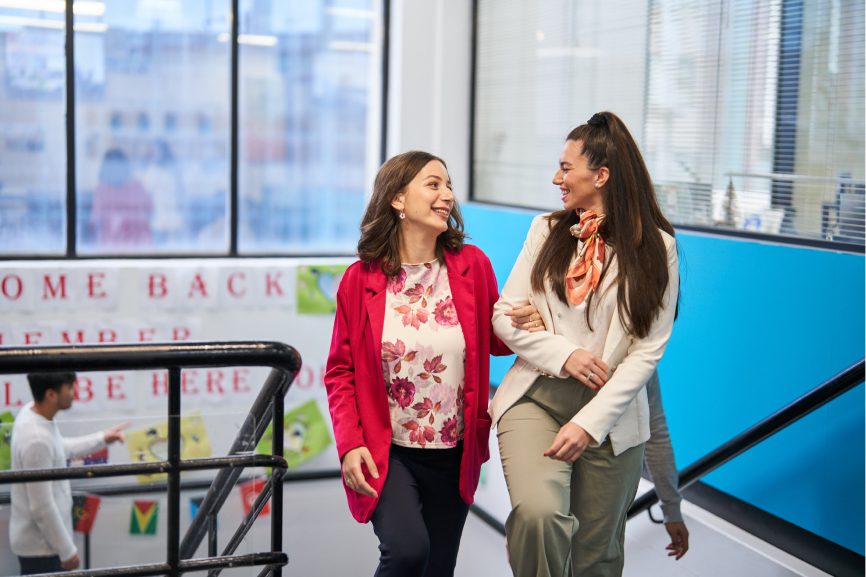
[
  {"x": 806, "y": 404},
  {"x": 121, "y": 489},
  {"x": 270, "y": 559},
  {"x": 19, "y": 360},
  {"x": 285, "y": 363},
  {"x": 237, "y": 462},
  {"x": 272, "y": 393}
]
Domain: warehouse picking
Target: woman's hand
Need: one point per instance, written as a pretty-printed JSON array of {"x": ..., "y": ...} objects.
[
  {"x": 569, "y": 444},
  {"x": 526, "y": 318},
  {"x": 679, "y": 544},
  {"x": 353, "y": 474},
  {"x": 586, "y": 368}
]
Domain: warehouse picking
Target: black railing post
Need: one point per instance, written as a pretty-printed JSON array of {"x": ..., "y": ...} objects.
[
  {"x": 284, "y": 362},
  {"x": 277, "y": 495},
  {"x": 248, "y": 437},
  {"x": 173, "y": 537},
  {"x": 212, "y": 539}
]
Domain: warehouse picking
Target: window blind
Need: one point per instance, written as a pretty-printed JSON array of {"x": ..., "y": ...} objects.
[{"x": 749, "y": 113}]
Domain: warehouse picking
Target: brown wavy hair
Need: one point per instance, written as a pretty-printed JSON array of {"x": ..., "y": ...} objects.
[
  {"x": 380, "y": 227},
  {"x": 631, "y": 227}
]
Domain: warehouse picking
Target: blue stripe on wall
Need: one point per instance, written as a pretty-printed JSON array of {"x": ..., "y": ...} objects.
[{"x": 759, "y": 326}]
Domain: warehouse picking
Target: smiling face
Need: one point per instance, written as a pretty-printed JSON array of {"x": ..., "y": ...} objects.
[
  {"x": 427, "y": 201},
  {"x": 580, "y": 186}
]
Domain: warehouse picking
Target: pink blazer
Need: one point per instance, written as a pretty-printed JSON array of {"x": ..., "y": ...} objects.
[{"x": 356, "y": 385}]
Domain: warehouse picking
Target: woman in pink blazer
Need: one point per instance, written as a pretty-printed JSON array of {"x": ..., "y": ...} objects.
[{"x": 408, "y": 369}]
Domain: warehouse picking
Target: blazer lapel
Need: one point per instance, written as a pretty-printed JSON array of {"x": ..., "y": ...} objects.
[
  {"x": 463, "y": 293},
  {"x": 374, "y": 296}
]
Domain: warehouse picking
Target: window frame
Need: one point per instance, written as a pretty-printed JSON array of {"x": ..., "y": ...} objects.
[
  {"x": 233, "y": 204},
  {"x": 804, "y": 242}
]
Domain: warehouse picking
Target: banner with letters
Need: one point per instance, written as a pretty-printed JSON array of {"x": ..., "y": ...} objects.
[{"x": 139, "y": 301}]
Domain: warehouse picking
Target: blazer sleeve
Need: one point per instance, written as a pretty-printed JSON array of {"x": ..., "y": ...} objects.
[
  {"x": 600, "y": 415},
  {"x": 544, "y": 350},
  {"x": 659, "y": 456},
  {"x": 497, "y": 347},
  {"x": 340, "y": 378}
]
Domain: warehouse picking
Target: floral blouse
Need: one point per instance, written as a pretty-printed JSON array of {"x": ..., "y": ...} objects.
[{"x": 423, "y": 356}]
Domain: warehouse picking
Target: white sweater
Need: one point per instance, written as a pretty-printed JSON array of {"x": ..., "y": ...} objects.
[{"x": 41, "y": 522}]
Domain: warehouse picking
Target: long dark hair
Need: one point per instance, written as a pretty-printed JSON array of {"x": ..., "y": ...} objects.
[
  {"x": 631, "y": 227},
  {"x": 380, "y": 227}
]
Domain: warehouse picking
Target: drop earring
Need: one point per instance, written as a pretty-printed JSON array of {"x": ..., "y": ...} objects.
[{"x": 402, "y": 215}]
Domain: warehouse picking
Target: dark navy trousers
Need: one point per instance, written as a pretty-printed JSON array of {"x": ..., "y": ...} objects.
[{"x": 420, "y": 516}]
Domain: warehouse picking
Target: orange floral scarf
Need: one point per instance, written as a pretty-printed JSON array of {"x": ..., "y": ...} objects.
[{"x": 584, "y": 275}]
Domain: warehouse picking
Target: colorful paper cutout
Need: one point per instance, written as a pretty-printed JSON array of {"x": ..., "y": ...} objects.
[
  {"x": 249, "y": 491},
  {"x": 306, "y": 434},
  {"x": 151, "y": 444},
  {"x": 317, "y": 288},
  {"x": 84, "y": 509},
  {"x": 6, "y": 421},
  {"x": 144, "y": 518}
]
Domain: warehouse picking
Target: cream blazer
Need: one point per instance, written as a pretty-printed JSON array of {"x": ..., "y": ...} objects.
[{"x": 619, "y": 410}]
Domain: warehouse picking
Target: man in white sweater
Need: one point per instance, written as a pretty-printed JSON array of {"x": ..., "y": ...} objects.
[{"x": 40, "y": 529}]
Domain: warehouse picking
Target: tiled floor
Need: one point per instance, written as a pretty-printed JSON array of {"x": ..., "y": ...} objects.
[{"x": 329, "y": 542}]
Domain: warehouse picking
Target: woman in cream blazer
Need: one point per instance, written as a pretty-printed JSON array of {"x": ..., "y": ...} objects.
[{"x": 572, "y": 411}]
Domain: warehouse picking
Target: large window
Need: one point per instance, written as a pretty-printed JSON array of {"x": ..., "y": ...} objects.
[
  {"x": 160, "y": 160},
  {"x": 310, "y": 73},
  {"x": 32, "y": 134},
  {"x": 541, "y": 69},
  {"x": 152, "y": 134},
  {"x": 749, "y": 113}
]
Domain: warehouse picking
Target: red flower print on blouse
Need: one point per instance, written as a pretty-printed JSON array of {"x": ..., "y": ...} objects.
[
  {"x": 413, "y": 317},
  {"x": 403, "y": 391},
  {"x": 396, "y": 283},
  {"x": 448, "y": 432},
  {"x": 446, "y": 395},
  {"x": 419, "y": 293},
  {"x": 421, "y": 434},
  {"x": 397, "y": 352},
  {"x": 426, "y": 408},
  {"x": 445, "y": 313},
  {"x": 431, "y": 366}
]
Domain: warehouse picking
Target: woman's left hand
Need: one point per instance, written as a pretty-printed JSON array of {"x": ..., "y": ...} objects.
[
  {"x": 526, "y": 318},
  {"x": 679, "y": 544},
  {"x": 569, "y": 444}
]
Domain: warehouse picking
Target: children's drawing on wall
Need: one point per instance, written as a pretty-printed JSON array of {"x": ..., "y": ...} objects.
[
  {"x": 306, "y": 434},
  {"x": 317, "y": 288},
  {"x": 150, "y": 443}
]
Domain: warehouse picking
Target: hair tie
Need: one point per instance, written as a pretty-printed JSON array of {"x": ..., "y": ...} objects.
[{"x": 598, "y": 119}]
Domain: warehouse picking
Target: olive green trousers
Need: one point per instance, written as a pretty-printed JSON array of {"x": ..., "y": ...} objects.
[{"x": 567, "y": 519}]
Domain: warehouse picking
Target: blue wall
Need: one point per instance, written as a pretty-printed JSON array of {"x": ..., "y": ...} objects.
[{"x": 759, "y": 326}]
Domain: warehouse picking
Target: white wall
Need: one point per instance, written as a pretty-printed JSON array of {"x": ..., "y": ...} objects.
[{"x": 429, "y": 82}]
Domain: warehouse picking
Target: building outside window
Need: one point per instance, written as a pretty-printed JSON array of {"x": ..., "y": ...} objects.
[{"x": 153, "y": 126}]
